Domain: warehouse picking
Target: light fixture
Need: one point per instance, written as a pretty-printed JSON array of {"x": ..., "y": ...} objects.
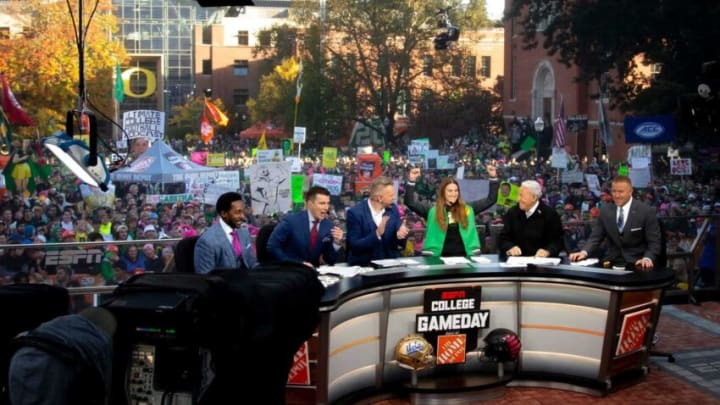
[
  {"x": 76, "y": 155},
  {"x": 539, "y": 124},
  {"x": 82, "y": 160}
]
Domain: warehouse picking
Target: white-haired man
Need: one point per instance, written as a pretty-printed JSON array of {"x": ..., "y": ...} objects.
[{"x": 531, "y": 228}]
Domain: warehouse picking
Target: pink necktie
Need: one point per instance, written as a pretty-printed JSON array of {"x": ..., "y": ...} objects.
[{"x": 236, "y": 243}]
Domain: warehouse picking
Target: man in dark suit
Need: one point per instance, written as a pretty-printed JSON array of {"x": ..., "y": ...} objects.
[
  {"x": 307, "y": 235},
  {"x": 374, "y": 227},
  {"x": 630, "y": 227},
  {"x": 226, "y": 244},
  {"x": 531, "y": 227}
]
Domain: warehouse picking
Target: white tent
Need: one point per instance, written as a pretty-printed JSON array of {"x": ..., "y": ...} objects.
[{"x": 159, "y": 164}]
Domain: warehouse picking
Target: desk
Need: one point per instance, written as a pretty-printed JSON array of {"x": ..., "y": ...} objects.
[{"x": 569, "y": 323}]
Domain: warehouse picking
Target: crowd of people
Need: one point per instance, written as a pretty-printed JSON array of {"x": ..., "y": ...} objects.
[{"x": 57, "y": 212}]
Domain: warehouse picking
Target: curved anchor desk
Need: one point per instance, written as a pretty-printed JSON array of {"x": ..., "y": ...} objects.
[{"x": 569, "y": 321}]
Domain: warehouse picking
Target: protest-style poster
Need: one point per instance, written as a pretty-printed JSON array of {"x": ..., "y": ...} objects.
[
  {"x": 295, "y": 164},
  {"x": 329, "y": 158},
  {"x": 148, "y": 124},
  {"x": 681, "y": 167},
  {"x": 269, "y": 155},
  {"x": 559, "y": 158},
  {"x": 507, "y": 194},
  {"x": 270, "y": 187},
  {"x": 593, "y": 183},
  {"x": 640, "y": 178},
  {"x": 331, "y": 182}
]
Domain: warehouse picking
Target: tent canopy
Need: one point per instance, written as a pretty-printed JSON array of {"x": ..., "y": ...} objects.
[
  {"x": 159, "y": 164},
  {"x": 255, "y": 131}
]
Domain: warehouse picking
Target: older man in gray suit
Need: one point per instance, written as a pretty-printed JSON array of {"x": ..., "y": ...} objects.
[
  {"x": 630, "y": 227},
  {"x": 226, "y": 244}
]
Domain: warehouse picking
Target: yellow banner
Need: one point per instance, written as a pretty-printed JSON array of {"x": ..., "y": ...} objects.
[
  {"x": 215, "y": 160},
  {"x": 329, "y": 157}
]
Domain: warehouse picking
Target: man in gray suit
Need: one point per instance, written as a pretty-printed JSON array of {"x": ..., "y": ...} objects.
[
  {"x": 630, "y": 227},
  {"x": 226, "y": 244}
]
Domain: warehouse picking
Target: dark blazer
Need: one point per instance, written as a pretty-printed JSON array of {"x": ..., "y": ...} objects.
[
  {"x": 363, "y": 244},
  {"x": 640, "y": 237},
  {"x": 543, "y": 230},
  {"x": 290, "y": 240},
  {"x": 214, "y": 251}
]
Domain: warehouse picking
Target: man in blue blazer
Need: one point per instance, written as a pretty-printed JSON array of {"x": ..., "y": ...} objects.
[
  {"x": 308, "y": 235},
  {"x": 629, "y": 226},
  {"x": 374, "y": 227},
  {"x": 226, "y": 244}
]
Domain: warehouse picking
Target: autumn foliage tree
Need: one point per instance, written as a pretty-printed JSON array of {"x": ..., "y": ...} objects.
[{"x": 41, "y": 62}]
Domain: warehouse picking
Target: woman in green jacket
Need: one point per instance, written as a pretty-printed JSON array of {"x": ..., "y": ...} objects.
[{"x": 451, "y": 227}]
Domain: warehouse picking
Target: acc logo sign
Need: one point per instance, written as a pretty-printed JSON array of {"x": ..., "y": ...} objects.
[
  {"x": 150, "y": 87},
  {"x": 649, "y": 130}
]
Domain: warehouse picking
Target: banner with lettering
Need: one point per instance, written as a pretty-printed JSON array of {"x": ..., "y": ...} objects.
[
  {"x": 144, "y": 124},
  {"x": 331, "y": 182}
]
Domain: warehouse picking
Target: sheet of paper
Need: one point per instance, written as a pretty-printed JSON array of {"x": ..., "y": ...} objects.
[
  {"x": 586, "y": 262},
  {"x": 525, "y": 260},
  {"x": 388, "y": 262},
  {"x": 344, "y": 271},
  {"x": 594, "y": 270},
  {"x": 481, "y": 259},
  {"x": 455, "y": 260}
]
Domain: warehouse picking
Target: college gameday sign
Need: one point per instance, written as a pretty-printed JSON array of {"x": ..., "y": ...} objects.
[{"x": 450, "y": 321}]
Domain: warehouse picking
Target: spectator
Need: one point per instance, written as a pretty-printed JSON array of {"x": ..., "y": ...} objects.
[{"x": 153, "y": 262}]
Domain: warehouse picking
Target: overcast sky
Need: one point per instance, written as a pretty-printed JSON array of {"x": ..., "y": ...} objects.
[{"x": 495, "y": 8}]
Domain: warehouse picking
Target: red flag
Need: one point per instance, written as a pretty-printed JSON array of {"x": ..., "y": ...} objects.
[
  {"x": 15, "y": 113},
  {"x": 216, "y": 115},
  {"x": 206, "y": 130},
  {"x": 560, "y": 126}
]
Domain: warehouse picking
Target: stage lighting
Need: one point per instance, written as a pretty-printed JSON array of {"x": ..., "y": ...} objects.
[{"x": 76, "y": 155}]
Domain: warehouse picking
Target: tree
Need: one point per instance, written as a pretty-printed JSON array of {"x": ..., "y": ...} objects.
[
  {"x": 42, "y": 62},
  {"x": 473, "y": 14},
  {"x": 677, "y": 36},
  {"x": 381, "y": 56},
  {"x": 185, "y": 122},
  {"x": 320, "y": 110}
]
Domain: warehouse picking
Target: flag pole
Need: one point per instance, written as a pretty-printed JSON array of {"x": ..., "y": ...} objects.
[{"x": 298, "y": 91}]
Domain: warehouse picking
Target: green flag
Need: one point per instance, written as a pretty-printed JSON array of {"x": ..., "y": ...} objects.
[
  {"x": 528, "y": 143},
  {"x": 623, "y": 170},
  {"x": 386, "y": 157},
  {"x": 119, "y": 86}
]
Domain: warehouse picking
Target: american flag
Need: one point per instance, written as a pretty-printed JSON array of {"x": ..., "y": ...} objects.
[{"x": 560, "y": 126}]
